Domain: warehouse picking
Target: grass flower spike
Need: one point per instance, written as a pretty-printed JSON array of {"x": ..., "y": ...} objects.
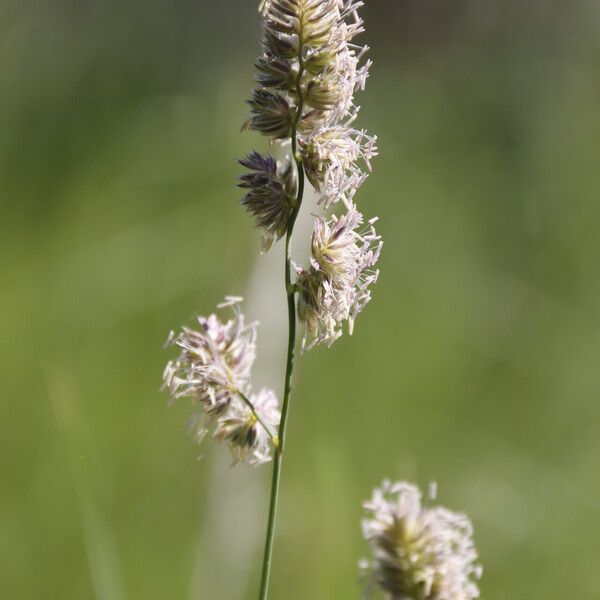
[
  {"x": 308, "y": 74},
  {"x": 306, "y": 77},
  {"x": 419, "y": 553},
  {"x": 310, "y": 70}
]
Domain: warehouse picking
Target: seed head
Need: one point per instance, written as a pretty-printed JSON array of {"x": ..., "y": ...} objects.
[
  {"x": 213, "y": 369},
  {"x": 307, "y": 76},
  {"x": 419, "y": 553},
  {"x": 308, "y": 49},
  {"x": 215, "y": 360}
]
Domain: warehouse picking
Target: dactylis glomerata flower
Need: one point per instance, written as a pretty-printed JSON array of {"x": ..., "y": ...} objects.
[
  {"x": 307, "y": 76},
  {"x": 419, "y": 553},
  {"x": 213, "y": 369}
]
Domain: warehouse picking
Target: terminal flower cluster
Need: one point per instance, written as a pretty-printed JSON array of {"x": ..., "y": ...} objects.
[{"x": 303, "y": 102}]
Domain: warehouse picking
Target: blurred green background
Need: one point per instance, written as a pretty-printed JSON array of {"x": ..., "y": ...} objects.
[{"x": 475, "y": 365}]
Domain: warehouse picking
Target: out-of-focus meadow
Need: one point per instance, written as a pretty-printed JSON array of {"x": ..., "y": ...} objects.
[{"x": 475, "y": 365}]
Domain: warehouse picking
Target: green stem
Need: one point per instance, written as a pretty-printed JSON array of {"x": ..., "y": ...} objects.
[{"x": 291, "y": 302}]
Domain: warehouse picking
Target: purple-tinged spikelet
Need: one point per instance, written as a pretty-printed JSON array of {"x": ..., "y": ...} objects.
[{"x": 271, "y": 194}]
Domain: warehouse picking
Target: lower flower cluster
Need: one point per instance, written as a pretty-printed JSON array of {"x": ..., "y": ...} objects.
[{"x": 213, "y": 369}]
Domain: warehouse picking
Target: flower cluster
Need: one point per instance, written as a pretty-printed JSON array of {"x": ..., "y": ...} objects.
[
  {"x": 271, "y": 194},
  {"x": 306, "y": 79},
  {"x": 337, "y": 285},
  {"x": 213, "y": 369},
  {"x": 249, "y": 439},
  {"x": 332, "y": 158},
  {"x": 419, "y": 553}
]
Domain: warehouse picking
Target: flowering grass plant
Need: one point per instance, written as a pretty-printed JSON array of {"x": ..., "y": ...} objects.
[{"x": 303, "y": 103}]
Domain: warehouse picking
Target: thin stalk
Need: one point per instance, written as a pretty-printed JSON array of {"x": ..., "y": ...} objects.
[{"x": 291, "y": 302}]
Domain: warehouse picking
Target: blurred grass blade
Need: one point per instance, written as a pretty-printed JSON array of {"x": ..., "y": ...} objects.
[{"x": 98, "y": 537}]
